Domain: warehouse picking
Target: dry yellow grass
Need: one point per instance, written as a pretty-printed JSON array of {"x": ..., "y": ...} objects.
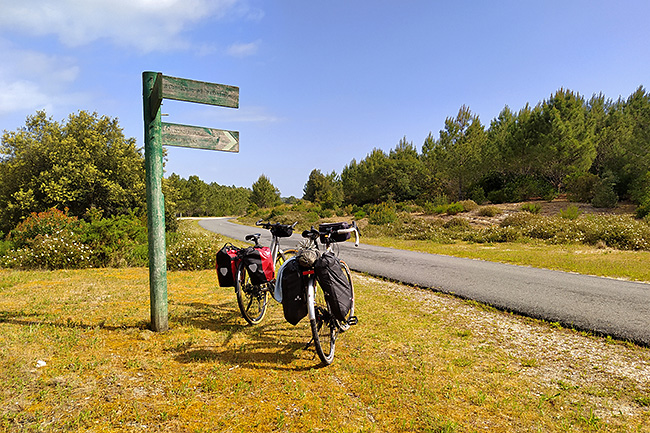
[{"x": 418, "y": 361}]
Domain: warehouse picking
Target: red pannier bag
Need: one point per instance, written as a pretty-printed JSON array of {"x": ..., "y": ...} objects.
[
  {"x": 227, "y": 262},
  {"x": 259, "y": 264}
]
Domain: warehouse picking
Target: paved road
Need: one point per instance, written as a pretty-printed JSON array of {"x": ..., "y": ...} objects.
[{"x": 601, "y": 305}]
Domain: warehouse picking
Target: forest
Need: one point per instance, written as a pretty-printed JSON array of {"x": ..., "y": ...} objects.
[{"x": 594, "y": 150}]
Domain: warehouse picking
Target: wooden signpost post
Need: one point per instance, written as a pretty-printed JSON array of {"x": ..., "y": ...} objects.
[{"x": 155, "y": 88}]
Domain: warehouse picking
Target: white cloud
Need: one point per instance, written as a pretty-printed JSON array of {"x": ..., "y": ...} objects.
[
  {"x": 21, "y": 95},
  {"x": 34, "y": 80},
  {"x": 149, "y": 25},
  {"x": 243, "y": 49}
]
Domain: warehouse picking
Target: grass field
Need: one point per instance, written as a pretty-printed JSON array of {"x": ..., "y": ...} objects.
[{"x": 76, "y": 355}]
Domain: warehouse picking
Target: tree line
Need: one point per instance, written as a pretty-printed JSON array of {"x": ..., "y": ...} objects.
[
  {"x": 86, "y": 167},
  {"x": 594, "y": 150}
]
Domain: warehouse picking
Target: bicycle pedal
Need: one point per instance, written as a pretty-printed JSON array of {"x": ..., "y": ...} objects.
[{"x": 353, "y": 320}]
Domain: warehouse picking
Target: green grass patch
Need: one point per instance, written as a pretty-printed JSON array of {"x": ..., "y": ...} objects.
[{"x": 76, "y": 355}]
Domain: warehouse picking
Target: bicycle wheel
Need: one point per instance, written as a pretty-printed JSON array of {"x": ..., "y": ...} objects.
[
  {"x": 282, "y": 257},
  {"x": 324, "y": 328},
  {"x": 252, "y": 299},
  {"x": 346, "y": 324}
]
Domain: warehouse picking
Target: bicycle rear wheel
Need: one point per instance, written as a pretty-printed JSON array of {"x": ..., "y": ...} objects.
[
  {"x": 282, "y": 257},
  {"x": 324, "y": 328},
  {"x": 252, "y": 299}
]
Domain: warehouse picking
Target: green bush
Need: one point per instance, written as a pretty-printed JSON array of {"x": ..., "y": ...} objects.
[
  {"x": 468, "y": 205},
  {"x": 643, "y": 210},
  {"x": 455, "y": 209},
  {"x": 570, "y": 213},
  {"x": 533, "y": 208},
  {"x": 61, "y": 250},
  {"x": 489, "y": 211},
  {"x": 458, "y": 224},
  {"x": 581, "y": 187},
  {"x": 383, "y": 213},
  {"x": 117, "y": 241},
  {"x": 604, "y": 196},
  {"x": 47, "y": 223},
  {"x": 360, "y": 214},
  {"x": 430, "y": 208},
  {"x": 494, "y": 234},
  {"x": 192, "y": 252}
]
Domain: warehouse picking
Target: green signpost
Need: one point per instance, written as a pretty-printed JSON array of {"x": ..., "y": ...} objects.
[{"x": 155, "y": 88}]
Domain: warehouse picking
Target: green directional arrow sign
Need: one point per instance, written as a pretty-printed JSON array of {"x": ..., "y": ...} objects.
[
  {"x": 201, "y": 92},
  {"x": 155, "y": 88},
  {"x": 198, "y": 137}
]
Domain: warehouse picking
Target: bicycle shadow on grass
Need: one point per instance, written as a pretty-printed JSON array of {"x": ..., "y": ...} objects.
[{"x": 271, "y": 345}]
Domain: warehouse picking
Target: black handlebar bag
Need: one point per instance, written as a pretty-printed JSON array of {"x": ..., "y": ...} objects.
[
  {"x": 282, "y": 230},
  {"x": 332, "y": 227},
  {"x": 335, "y": 284}
]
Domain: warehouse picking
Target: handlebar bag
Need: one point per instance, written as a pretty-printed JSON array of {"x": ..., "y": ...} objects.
[
  {"x": 332, "y": 227},
  {"x": 259, "y": 264},
  {"x": 335, "y": 284},
  {"x": 294, "y": 299},
  {"x": 227, "y": 262},
  {"x": 282, "y": 230}
]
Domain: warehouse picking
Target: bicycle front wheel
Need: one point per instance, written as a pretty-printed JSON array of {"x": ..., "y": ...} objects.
[
  {"x": 252, "y": 299},
  {"x": 324, "y": 328}
]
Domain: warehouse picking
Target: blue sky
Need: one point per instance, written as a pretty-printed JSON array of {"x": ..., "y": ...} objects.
[{"x": 320, "y": 83}]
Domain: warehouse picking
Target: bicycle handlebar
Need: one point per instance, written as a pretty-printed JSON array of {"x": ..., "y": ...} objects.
[
  {"x": 314, "y": 234},
  {"x": 267, "y": 225}
]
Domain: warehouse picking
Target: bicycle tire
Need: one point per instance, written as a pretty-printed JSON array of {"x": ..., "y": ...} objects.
[
  {"x": 324, "y": 328},
  {"x": 252, "y": 299},
  {"x": 346, "y": 324},
  {"x": 282, "y": 257}
]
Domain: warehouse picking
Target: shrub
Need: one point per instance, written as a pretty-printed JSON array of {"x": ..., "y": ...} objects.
[
  {"x": 47, "y": 223},
  {"x": 383, "y": 213},
  {"x": 117, "y": 241},
  {"x": 581, "y": 187},
  {"x": 533, "y": 208},
  {"x": 360, "y": 214},
  {"x": 455, "y": 208},
  {"x": 468, "y": 205},
  {"x": 192, "y": 252},
  {"x": 519, "y": 220},
  {"x": 430, "y": 208},
  {"x": 489, "y": 211},
  {"x": 571, "y": 213},
  {"x": 457, "y": 223},
  {"x": 604, "y": 196},
  {"x": 494, "y": 234},
  {"x": 643, "y": 210},
  {"x": 61, "y": 250}
]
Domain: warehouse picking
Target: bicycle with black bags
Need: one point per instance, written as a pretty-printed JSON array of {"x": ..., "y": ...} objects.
[
  {"x": 251, "y": 270},
  {"x": 320, "y": 286}
]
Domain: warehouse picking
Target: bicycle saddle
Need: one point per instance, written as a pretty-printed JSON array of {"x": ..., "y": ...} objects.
[{"x": 255, "y": 237}]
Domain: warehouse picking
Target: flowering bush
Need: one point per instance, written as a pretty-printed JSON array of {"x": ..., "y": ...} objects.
[
  {"x": 191, "y": 250},
  {"x": 61, "y": 250}
]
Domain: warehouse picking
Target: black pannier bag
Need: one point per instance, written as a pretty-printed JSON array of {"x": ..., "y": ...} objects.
[
  {"x": 281, "y": 230},
  {"x": 227, "y": 262},
  {"x": 259, "y": 264},
  {"x": 335, "y": 284},
  {"x": 336, "y": 237},
  {"x": 294, "y": 299}
]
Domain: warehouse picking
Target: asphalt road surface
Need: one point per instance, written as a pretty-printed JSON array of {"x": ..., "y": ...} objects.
[{"x": 601, "y": 305}]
